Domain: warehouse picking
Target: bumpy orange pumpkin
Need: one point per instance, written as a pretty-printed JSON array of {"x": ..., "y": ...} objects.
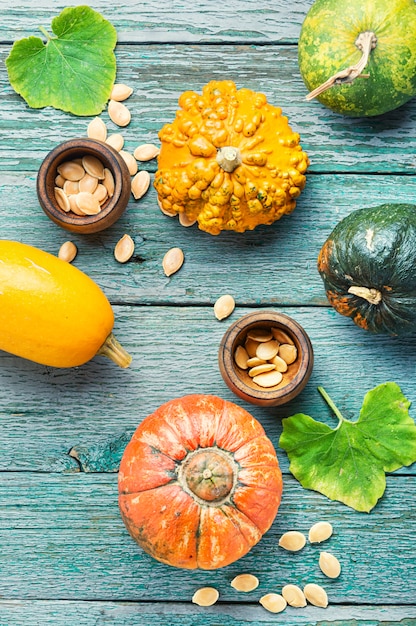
[
  {"x": 229, "y": 160},
  {"x": 199, "y": 483}
]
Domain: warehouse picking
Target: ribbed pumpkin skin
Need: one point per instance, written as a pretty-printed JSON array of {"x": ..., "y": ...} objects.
[
  {"x": 327, "y": 46},
  {"x": 374, "y": 248},
  {"x": 176, "y": 495},
  {"x": 50, "y": 312}
]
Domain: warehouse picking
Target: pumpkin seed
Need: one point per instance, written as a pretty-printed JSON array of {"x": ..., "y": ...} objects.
[
  {"x": 172, "y": 261},
  {"x": 93, "y": 166},
  {"x": 74, "y": 206},
  {"x": 87, "y": 203},
  {"x": 268, "y": 379},
  {"x": 130, "y": 161},
  {"x": 206, "y": 596},
  {"x": 245, "y": 582},
  {"x": 279, "y": 363},
  {"x": 71, "y": 170},
  {"x": 294, "y": 596},
  {"x": 293, "y": 541},
  {"x": 67, "y": 252},
  {"x": 281, "y": 336},
  {"x": 316, "y": 595},
  {"x": 124, "y": 249},
  {"x": 165, "y": 211},
  {"x": 120, "y": 92},
  {"x": 254, "y": 361},
  {"x": 140, "y": 184},
  {"x": 241, "y": 357},
  {"x": 251, "y": 347},
  {"x": 273, "y": 602},
  {"x": 288, "y": 353},
  {"x": 329, "y": 564},
  {"x": 101, "y": 193},
  {"x": 70, "y": 187},
  {"x": 260, "y": 369},
  {"x": 116, "y": 141},
  {"x": 224, "y": 306},
  {"x": 146, "y": 152},
  {"x": 320, "y": 532},
  {"x": 59, "y": 181},
  {"x": 118, "y": 113},
  {"x": 185, "y": 221},
  {"x": 108, "y": 182},
  {"x": 97, "y": 129},
  {"x": 259, "y": 334},
  {"x": 62, "y": 199},
  {"x": 87, "y": 183},
  {"x": 267, "y": 350}
]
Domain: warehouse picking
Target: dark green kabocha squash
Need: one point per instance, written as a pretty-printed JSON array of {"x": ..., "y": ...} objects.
[{"x": 368, "y": 265}]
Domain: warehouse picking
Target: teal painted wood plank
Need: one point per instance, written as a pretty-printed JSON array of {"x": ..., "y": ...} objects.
[
  {"x": 45, "y": 412},
  {"x": 159, "y": 74},
  {"x": 65, "y": 613},
  {"x": 279, "y": 260},
  {"x": 62, "y": 538},
  {"x": 183, "y": 20}
]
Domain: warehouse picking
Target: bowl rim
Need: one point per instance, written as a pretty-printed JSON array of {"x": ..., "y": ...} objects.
[
  {"x": 228, "y": 345},
  {"x": 67, "y": 150}
]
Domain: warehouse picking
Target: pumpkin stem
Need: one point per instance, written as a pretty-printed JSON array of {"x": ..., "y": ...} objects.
[
  {"x": 373, "y": 296},
  {"x": 228, "y": 158},
  {"x": 366, "y": 42},
  {"x": 112, "y": 349},
  {"x": 331, "y": 405}
]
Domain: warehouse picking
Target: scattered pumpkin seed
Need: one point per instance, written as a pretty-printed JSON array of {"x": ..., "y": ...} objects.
[
  {"x": 273, "y": 602},
  {"x": 130, "y": 161},
  {"x": 293, "y": 541},
  {"x": 288, "y": 352},
  {"x": 224, "y": 306},
  {"x": 124, "y": 249},
  {"x": 245, "y": 582},
  {"x": 146, "y": 152},
  {"x": 321, "y": 531},
  {"x": 116, "y": 141},
  {"x": 173, "y": 261},
  {"x": 316, "y": 595},
  {"x": 140, "y": 184},
  {"x": 118, "y": 113},
  {"x": 62, "y": 199},
  {"x": 120, "y": 92},
  {"x": 294, "y": 596},
  {"x": 206, "y": 596},
  {"x": 329, "y": 564},
  {"x": 268, "y": 379},
  {"x": 93, "y": 166},
  {"x": 71, "y": 170},
  {"x": 97, "y": 129},
  {"x": 87, "y": 203},
  {"x": 241, "y": 357},
  {"x": 185, "y": 221},
  {"x": 267, "y": 350},
  {"x": 67, "y": 252}
]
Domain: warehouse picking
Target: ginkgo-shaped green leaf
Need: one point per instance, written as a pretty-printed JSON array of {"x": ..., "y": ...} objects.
[
  {"x": 348, "y": 463},
  {"x": 74, "y": 71}
]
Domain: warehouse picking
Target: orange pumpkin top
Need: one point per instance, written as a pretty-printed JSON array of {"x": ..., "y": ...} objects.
[{"x": 199, "y": 483}]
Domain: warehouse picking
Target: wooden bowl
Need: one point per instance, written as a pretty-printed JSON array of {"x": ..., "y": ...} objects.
[
  {"x": 238, "y": 379},
  {"x": 111, "y": 210}
]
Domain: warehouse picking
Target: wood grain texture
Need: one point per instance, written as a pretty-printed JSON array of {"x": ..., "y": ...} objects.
[
  {"x": 178, "y": 20},
  {"x": 63, "y": 538},
  {"x": 159, "y": 74},
  {"x": 64, "y": 612}
]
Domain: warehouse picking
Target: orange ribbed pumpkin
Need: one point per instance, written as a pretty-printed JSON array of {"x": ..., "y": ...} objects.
[{"x": 199, "y": 483}]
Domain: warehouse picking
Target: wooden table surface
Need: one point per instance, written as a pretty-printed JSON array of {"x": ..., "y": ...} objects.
[{"x": 65, "y": 555}]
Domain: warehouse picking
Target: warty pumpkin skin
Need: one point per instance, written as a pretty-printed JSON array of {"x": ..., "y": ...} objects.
[
  {"x": 199, "y": 483},
  {"x": 229, "y": 160},
  {"x": 368, "y": 265}
]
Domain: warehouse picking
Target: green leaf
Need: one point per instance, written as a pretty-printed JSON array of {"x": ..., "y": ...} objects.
[
  {"x": 348, "y": 463},
  {"x": 74, "y": 71}
]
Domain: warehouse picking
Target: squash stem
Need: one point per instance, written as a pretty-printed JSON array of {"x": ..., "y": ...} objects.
[
  {"x": 113, "y": 350},
  {"x": 228, "y": 158},
  {"x": 331, "y": 405},
  {"x": 366, "y": 42}
]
